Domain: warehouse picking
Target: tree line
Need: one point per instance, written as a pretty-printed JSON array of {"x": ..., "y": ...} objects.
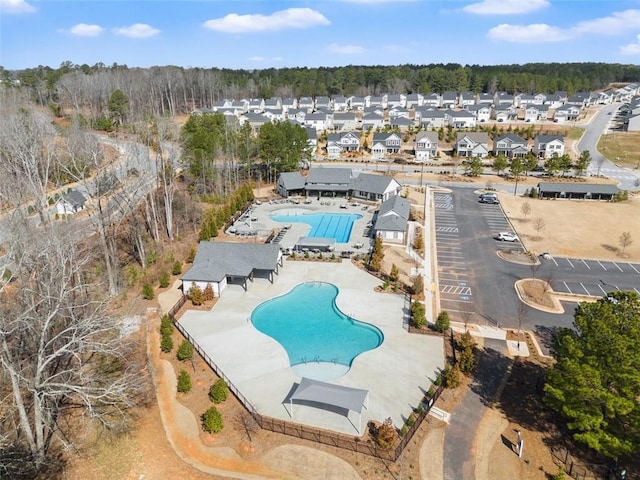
[{"x": 172, "y": 90}]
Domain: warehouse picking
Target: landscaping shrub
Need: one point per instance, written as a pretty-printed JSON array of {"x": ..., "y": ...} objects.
[
  {"x": 452, "y": 376},
  {"x": 418, "y": 285},
  {"x": 386, "y": 435},
  {"x": 418, "y": 314},
  {"x": 166, "y": 344},
  {"x": 185, "y": 351},
  {"x": 196, "y": 295},
  {"x": 212, "y": 421},
  {"x": 443, "y": 322},
  {"x": 166, "y": 325},
  {"x": 184, "y": 382},
  {"x": 176, "y": 269},
  {"x": 207, "y": 294},
  {"x": 147, "y": 291},
  {"x": 218, "y": 391},
  {"x": 165, "y": 279}
]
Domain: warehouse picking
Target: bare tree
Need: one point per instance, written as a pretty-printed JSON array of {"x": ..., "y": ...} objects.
[
  {"x": 245, "y": 421},
  {"x": 62, "y": 356},
  {"x": 538, "y": 225},
  {"x": 624, "y": 241},
  {"x": 525, "y": 209},
  {"x": 523, "y": 310}
]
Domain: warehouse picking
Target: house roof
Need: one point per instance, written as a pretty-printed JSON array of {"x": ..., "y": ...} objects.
[
  {"x": 371, "y": 117},
  {"x": 475, "y": 137},
  {"x": 593, "y": 188},
  {"x": 344, "y": 116},
  {"x": 393, "y": 215},
  {"x": 511, "y": 137},
  {"x": 400, "y": 121},
  {"x": 74, "y": 198},
  {"x": 384, "y": 136},
  {"x": 329, "y": 176},
  {"x": 216, "y": 260},
  {"x": 548, "y": 138},
  {"x": 432, "y": 136},
  {"x": 291, "y": 181},
  {"x": 378, "y": 184}
]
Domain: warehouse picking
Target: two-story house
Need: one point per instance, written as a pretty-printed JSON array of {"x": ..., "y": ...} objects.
[
  {"x": 396, "y": 100},
  {"x": 544, "y": 146},
  {"x": 449, "y": 99},
  {"x": 307, "y": 104},
  {"x": 342, "y": 142},
  {"x": 481, "y": 111},
  {"x": 401, "y": 123},
  {"x": 566, "y": 113},
  {"x": 466, "y": 99},
  {"x": 345, "y": 121},
  {"x": 472, "y": 144},
  {"x": 426, "y": 146},
  {"x": 384, "y": 144},
  {"x": 432, "y": 100},
  {"x": 318, "y": 120},
  {"x": 431, "y": 118},
  {"x": 372, "y": 121},
  {"x": 414, "y": 100},
  {"x": 511, "y": 146},
  {"x": 357, "y": 103},
  {"x": 323, "y": 103},
  {"x": 340, "y": 103},
  {"x": 289, "y": 103},
  {"x": 460, "y": 119},
  {"x": 484, "y": 98}
]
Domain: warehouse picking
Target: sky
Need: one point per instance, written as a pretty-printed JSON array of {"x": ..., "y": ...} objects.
[{"x": 257, "y": 34}]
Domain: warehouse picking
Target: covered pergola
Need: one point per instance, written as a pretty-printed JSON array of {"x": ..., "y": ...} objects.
[{"x": 351, "y": 399}]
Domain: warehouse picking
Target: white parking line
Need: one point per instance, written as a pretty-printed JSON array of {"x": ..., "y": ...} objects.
[
  {"x": 634, "y": 268},
  {"x": 554, "y": 261},
  {"x": 617, "y": 266},
  {"x": 603, "y": 291},
  {"x": 569, "y": 261},
  {"x": 637, "y": 291},
  {"x": 583, "y": 261},
  {"x": 585, "y": 288},
  {"x": 601, "y": 265},
  {"x": 567, "y": 287}
]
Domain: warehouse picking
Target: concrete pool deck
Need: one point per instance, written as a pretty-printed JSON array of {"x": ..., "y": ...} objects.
[{"x": 397, "y": 374}]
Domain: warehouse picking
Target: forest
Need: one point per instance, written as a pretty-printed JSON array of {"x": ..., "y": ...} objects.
[{"x": 172, "y": 90}]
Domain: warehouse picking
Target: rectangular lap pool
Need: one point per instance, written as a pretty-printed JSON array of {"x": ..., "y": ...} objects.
[{"x": 324, "y": 225}]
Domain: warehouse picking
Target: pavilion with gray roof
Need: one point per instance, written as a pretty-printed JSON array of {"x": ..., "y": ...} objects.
[
  {"x": 220, "y": 263},
  {"x": 328, "y": 181},
  {"x": 374, "y": 187},
  {"x": 585, "y": 191}
]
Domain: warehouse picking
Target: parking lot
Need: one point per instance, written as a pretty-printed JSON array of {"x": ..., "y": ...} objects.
[
  {"x": 579, "y": 276},
  {"x": 498, "y": 222}
]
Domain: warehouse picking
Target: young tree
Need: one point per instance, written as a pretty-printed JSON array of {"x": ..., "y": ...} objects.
[
  {"x": 500, "y": 164},
  {"x": 538, "y": 225},
  {"x": 565, "y": 163},
  {"x": 624, "y": 241},
  {"x": 583, "y": 162},
  {"x": 118, "y": 106},
  {"x": 595, "y": 383},
  {"x": 185, "y": 351},
  {"x": 552, "y": 164},
  {"x": 525, "y": 209},
  {"x": 394, "y": 274},
  {"x": 474, "y": 167},
  {"x": 442, "y": 322},
  {"x": 516, "y": 167}
]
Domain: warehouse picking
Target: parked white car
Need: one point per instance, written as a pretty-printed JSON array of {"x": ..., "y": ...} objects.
[{"x": 507, "y": 237}]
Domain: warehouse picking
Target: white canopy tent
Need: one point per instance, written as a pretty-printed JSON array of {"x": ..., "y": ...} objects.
[{"x": 352, "y": 399}]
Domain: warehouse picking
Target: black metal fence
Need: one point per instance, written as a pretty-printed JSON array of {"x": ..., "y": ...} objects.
[
  {"x": 305, "y": 432},
  {"x": 588, "y": 471}
]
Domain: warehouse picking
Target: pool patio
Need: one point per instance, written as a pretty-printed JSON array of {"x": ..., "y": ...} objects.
[{"x": 397, "y": 374}]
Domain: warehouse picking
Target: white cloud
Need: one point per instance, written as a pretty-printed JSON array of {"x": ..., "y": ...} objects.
[
  {"x": 84, "y": 30},
  {"x": 535, "y": 33},
  {"x": 16, "y": 6},
  {"x": 256, "y": 59},
  {"x": 505, "y": 7},
  {"x": 281, "y": 20},
  {"x": 611, "y": 25},
  {"x": 277, "y": 59},
  {"x": 137, "y": 30},
  {"x": 631, "y": 48},
  {"x": 345, "y": 49}
]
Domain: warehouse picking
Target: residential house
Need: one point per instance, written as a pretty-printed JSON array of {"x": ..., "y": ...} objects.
[
  {"x": 398, "y": 112},
  {"x": 256, "y": 120},
  {"x": 218, "y": 264},
  {"x": 414, "y": 100},
  {"x": 357, "y": 103},
  {"x": 503, "y": 98},
  {"x": 340, "y": 103},
  {"x": 460, "y": 118},
  {"x": 504, "y": 113},
  {"x": 632, "y": 123},
  {"x": 312, "y": 139},
  {"x": 372, "y": 187},
  {"x": 345, "y": 121},
  {"x": 273, "y": 104},
  {"x": 323, "y": 103},
  {"x": 377, "y": 109},
  {"x": 384, "y": 144},
  {"x": 510, "y": 145},
  {"x": 70, "y": 203},
  {"x": 342, "y": 142},
  {"x": 431, "y": 118},
  {"x": 466, "y": 99},
  {"x": 426, "y": 146},
  {"x": 524, "y": 99},
  {"x": 535, "y": 113},
  {"x": 221, "y": 104},
  {"x": 392, "y": 219},
  {"x": 396, "y": 100},
  {"x": 554, "y": 100},
  {"x": 241, "y": 106},
  {"x": 376, "y": 101},
  {"x": 579, "y": 99},
  {"x": 449, "y": 99},
  {"x": 472, "y": 144},
  {"x": 372, "y": 121},
  {"x": 484, "y": 98},
  {"x": 290, "y": 183},
  {"x": 297, "y": 115},
  {"x": 432, "y": 100},
  {"x": 566, "y": 113},
  {"x": 289, "y": 103},
  {"x": 318, "y": 120},
  {"x": 544, "y": 146},
  {"x": 256, "y": 105},
  {"x": 401, "y": 123},
  {"x": 482, "y": 112},
  {"x": 307, "y": 104}
]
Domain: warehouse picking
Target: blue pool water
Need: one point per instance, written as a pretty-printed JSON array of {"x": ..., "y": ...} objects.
[
  {"x": 311, "y": 328},
  {"x": 324, "y": 225}
]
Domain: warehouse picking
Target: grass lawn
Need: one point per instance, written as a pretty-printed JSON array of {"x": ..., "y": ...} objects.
[{"x": 622, "y": 148}]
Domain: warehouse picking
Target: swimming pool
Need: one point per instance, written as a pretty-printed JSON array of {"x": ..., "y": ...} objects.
[
  {"x": 308, "y": 324},
  {"x": 324, "y": 225}
]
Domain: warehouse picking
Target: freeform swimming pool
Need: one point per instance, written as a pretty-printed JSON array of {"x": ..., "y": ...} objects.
[
  {"x": 308, "y": 324},
  {"x": 324, "y": 225}
]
